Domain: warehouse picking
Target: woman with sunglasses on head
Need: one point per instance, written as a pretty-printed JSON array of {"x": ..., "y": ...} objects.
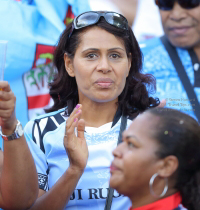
[
  {"x": 158, "y": 164},
  {"x": 97, "y": 86}
]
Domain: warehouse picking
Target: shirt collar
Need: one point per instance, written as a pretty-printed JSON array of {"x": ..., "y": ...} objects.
[{"x": 172, "y": 202}]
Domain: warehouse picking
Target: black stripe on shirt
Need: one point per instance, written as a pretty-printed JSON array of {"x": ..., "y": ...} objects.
[{"x": 50, "y": 126}]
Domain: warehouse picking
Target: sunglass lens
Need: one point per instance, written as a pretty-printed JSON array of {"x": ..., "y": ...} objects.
[
  {"x": 116, "y": 20},
  {"x": 86, "y": 19},
  {"x": 165, "y": 4},
  {"x": 189, "y": 4}
]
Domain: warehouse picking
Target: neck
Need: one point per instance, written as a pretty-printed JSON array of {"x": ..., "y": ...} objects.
[
  {"x": 97, "y": 114},
  {"x": 138, "y": 201},
  {"x": 197, "y": 51}
]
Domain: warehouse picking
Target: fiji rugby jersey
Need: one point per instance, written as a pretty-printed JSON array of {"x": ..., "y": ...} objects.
[
  {"x": 168, "y": 83},
  {"x": 45, "y": 139}
]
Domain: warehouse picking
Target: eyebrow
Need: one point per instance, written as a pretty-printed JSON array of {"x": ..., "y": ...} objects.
[
  {"x": 116, "y": 48},
  {"x": 95, "y": 49},
  {"x": 132, "y": 137}
]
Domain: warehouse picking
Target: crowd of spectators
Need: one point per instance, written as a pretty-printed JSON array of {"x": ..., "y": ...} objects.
[{"x": 77, "y": 84}]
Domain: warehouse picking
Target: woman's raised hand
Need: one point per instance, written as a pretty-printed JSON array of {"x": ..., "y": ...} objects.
[
  {"x": 7, "y": 108},
  {"x": 75, "y": 145}
]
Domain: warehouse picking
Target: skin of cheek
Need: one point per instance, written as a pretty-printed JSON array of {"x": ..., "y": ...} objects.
[
  {"x": 87, "y": 88},
  {"x": 137, "y": 169}
]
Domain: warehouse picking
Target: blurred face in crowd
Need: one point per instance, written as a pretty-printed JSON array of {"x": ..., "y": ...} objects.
[
  {"x": 100, "y": 66},
  {"x": 182, "y": 26}
]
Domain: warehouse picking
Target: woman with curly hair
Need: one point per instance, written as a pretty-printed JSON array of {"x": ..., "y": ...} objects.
[{"x": 98, "y": 88}]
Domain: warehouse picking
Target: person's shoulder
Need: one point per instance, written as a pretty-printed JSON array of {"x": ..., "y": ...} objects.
[
  {"x": 37, "y": 128},
  {"x": 156, "y": 58},
  {"x": 148, "y": 45},
  {"x": 52, "y": 118},
  {"x": 50, "y": 114}
]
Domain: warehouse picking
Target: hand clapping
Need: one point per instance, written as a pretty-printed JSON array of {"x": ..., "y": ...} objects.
[{"x": 76, "y": 146}]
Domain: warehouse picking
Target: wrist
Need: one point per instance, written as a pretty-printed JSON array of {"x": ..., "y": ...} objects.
[
  {"x": 8, "y": 130},
  {"x": 74, "y": 170},
  {"x": 16, "y": 134}
]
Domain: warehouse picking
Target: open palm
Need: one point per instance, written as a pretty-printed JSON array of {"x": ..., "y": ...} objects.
[{"x": 75, "y": 145}]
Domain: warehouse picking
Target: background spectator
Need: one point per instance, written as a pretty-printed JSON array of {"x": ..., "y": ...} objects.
[{"x": 181, "y": 23}]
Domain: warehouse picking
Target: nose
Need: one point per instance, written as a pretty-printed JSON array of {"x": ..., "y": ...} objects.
[
  {"x": 178, "y": 13},
  {"x": 104, "y": 65},
  {"x": 118, "y": 151}
]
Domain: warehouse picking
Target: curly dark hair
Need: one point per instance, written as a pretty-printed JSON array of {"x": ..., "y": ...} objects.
[
  {"x": 135, "y": 96},
  {"x": 178, "y": 134}
]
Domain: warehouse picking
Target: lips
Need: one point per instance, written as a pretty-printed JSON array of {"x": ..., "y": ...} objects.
[
  {"x": 113, "y": 168},
  {"x": 180, "y": 30},
  {"x": 104, "y": 82}
]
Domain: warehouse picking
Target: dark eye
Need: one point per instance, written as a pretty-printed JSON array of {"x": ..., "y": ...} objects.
[
  {"x": 130, "y": 144},
  {"x": 91, "y": 56},
  {"x": 115, "y": 56}
]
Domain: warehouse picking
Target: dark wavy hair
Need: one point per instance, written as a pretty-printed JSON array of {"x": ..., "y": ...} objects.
[
  {"x": 135, "y": 96},
  {"x": 179, "y": 134}
]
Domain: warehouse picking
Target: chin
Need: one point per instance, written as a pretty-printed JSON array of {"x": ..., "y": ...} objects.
[
  {"x": 119, "y": 188},
  {"x": 182, "y": 42},
  {"x": 116, "y": 184},
  {"x": 104, "y": 99},
  {"x": 113, "y": 182}
]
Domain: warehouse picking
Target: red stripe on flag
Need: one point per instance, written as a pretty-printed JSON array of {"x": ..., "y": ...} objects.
[{"x": 38, "y": 101}]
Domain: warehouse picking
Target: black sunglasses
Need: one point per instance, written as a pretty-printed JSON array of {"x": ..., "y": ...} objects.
[
  {"x": 92, "y": 17},
  {"x": 169, "y": 4}
]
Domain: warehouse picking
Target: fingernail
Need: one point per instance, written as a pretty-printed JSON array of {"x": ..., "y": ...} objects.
[
  {"x": 77, "y": 106},
  {"x": 78, "y": 111},
  {"x": 75, "y": 119}
]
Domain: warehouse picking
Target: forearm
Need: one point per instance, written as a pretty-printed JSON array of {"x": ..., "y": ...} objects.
[
  {"x": 58, "y": 196},
  {"x": 19, "y": 185}
]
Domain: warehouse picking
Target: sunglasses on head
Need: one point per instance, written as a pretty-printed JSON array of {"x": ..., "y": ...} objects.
[
  {"x": 169, "y": 4},
  {"x": 92, "y": 17}
]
